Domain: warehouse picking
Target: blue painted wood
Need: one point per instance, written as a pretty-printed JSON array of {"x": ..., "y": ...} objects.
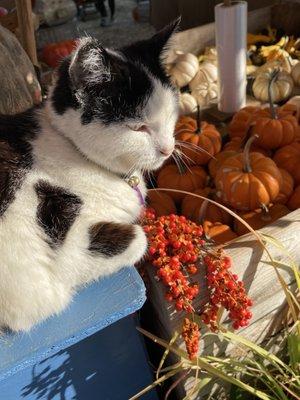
[
  {"x": 93, "y": 308},
  {"x": 109, "y": 365}
]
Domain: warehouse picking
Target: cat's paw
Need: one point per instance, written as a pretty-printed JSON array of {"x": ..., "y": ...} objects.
[{"x": 138, "y": 247}]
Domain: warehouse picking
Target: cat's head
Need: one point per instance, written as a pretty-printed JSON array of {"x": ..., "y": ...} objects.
[{"x": 118, "y": 106}]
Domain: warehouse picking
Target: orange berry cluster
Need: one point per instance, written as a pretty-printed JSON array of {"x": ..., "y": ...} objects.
[
  {"x": 191, "y": 336},
  {"x": 225, "y": 291}
]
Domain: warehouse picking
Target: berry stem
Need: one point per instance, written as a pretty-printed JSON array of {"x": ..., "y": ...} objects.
[{"x": 246, "y": 154}]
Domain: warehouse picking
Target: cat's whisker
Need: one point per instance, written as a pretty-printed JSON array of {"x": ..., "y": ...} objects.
[
  {"x": 193, "y": 147},
  {"x": 178, "y": 151}
]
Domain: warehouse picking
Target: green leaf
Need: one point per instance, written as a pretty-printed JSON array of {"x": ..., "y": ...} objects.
[{"x": 293, "y": 342}]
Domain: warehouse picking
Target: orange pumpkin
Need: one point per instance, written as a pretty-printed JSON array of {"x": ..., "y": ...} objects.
[
  {"x": 198, "y": 210},
  {"x": 259, "y": 218},
  {"x": 288, "y": 158},
  {"x": 237, "y": 144},
  {"x": 177, "y": 177},
  {"x": 216, "y": 162},
  {"x": 247, "y": 180},
  {"x": 294, "y": 201},
  {"x": 286, "y": 188},
  {"x": 241, "y": 121},
  {"x": 274, "y": 128},
  {"x": 218, "y": 232},
  {"x": 162, "y": 203},
  {"x": 197, "y": 135}
]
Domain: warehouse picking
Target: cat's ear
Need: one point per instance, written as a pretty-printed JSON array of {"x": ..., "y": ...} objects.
[
  {"x": 89, "y": 63},
  {"x": 161, "y": 40}
]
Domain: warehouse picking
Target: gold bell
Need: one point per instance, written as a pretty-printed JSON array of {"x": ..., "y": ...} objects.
[{"x": 133, "y": 181}]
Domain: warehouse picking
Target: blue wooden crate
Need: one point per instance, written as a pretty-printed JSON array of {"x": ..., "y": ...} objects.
[{"x": 73, "y": 357}]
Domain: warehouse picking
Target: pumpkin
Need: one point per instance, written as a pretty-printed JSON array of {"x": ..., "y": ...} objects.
[
  {"x": 178, "y": 177},
  {"x": 53, "y": 53},
  {"x": 241, "y": 121},
  {"x": 288, "y": 158},
  {"x": 259, "y": 218},
  {"x": 205, "y": 93},
  {"x": 207, "y": 72},
  {"x": 292, "y": 107},
  {"x": 184, "y": 69},
  {"x": 274, "y": 129},
  {"x": 286, "y": 188},
  {"x": 237, "y": 144},
  {"x": 247, "y": 180},
  {"x": 187, "y": 104},
  {"x": 199, "y": 210},
  {"x": 198, "y": 135},
  {"x": 294, "y": 201},
  {"x": 162, "y": 203},
  {"x": 281, "y": 88},
  {"x": 218, "y": 232},
  {"x": 296, "y": 74},
  {"x": 216, "y": 162}
]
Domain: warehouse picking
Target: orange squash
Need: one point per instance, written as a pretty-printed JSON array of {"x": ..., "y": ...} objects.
[
  {"x": 274, "y": 128},
  {"x": 180, "y": 178},
  {"x": 237, "y": 144},
  {"x": 259, "y": 218},
  {"x": 241, "y": 121},
  {"x": 286, "y": 188},
  {"x": 294, "y": 201},
  {"x": 247, "y": 180},
  {"x": 215, "y": 163},
  {"x": 218, "y": 232},
  {"x": 162, "y": 203},
  {"x": 288, "y": 158},
  {"x": 198, "y": 210},
  {"x": 194, "y": 135}
]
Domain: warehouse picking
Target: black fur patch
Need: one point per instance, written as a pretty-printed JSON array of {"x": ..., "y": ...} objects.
[
  {"x": 16, "y": 159},
  {"x": 57, "y": 211},
  {"x": 110, "y": 238}
]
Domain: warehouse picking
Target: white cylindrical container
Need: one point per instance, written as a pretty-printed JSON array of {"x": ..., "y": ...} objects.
[{"x": 231, "y": 42}]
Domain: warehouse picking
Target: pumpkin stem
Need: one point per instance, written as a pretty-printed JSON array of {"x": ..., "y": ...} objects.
[
  {"x": 265, "y": 213},
  {"x": 273, "y": 77},
  {"x": 198, "y": 130},
  {"x": 246, "y": 154}
]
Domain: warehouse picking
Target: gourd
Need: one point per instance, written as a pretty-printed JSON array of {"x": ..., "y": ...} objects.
[
  {"x": 20, "y": 88},
  {"x": 218, "y": 232},
  {"x": 161, "y": 202},
  {"x": 205, "y": 92},
  {"x": 294, "y": 201},
  {"x": 216, "y": 162},
  {"x": 207, "y": 72},
  {"x": 237, "y": 144},
  {"x": 286, "y": 188},
  {"x": 187, "y": 104},
  {"x": 180, "y": 178},
  {"x": 296, "y": 74},
  {"x": 273, "y": 128},
  {"x": 241, "y": 121},
  {"x": 259, "y": 218},
  {"x": 247, "y": 180},
  {"x": 281, "y": 88},
  {"x": 195, "y": 135},
  {"x": 288, "y": 158},
  {"x": 184, "y": 69}
]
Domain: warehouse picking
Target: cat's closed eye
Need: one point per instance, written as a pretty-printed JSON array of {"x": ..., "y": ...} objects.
[{"x": 140, "y": 128}]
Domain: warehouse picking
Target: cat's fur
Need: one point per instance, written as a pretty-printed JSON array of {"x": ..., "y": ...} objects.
[{"x": 67, "y": 215}]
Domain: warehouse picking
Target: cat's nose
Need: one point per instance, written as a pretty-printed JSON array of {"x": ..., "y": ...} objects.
[{"x": 166, "y": 152}]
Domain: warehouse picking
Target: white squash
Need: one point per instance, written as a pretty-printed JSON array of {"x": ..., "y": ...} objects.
[
  {"x": 296, "y": 73},
  {"x": 184, "y": 69},
  {"x": 281, "y": 88},
  {"x": 205, "y": 93},
  {"x": 207, "y": 72},
  {"x": 187, "y": 104}
]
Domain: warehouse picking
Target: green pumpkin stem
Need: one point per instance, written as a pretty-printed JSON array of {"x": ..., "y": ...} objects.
[
  {"x": 273, "y": 77},
  {"x": 198, "y": 119},
  {"x": 246, "y": 154}
]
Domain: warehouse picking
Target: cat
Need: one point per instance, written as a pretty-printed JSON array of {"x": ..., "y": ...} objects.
[{"x": 67, "y": 213}]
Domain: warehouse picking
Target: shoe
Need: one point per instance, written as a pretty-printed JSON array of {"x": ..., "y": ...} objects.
[{"x": 105, "y": 22}]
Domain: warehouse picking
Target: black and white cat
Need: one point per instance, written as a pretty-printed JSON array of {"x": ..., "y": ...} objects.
[{"x": 67, "y": 214}]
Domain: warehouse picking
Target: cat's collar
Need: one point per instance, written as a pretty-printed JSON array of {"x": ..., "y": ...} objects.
[{"x": 134, "y": 182}]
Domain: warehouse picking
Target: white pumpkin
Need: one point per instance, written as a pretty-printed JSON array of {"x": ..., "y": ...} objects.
[
  {"x": 205, "y": 93},
  {"x": 281, "y": 88},
  {"x": 296, "y": 74},
  {"x": 184, "y": 69},
  {"x": 187, "y": 104},
  {"x": 207, "y": 72}
]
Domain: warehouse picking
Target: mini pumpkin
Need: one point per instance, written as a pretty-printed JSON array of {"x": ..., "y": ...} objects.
[
  {"x": 294, "y": 201},
  {"x": 241, "y": 121},
  {"x": 184, "y": 69},
  {"x": 187, "y": 104},
  {"x": 216, "y": 162},
  {"x": 288, "y": 158},
  {"x": 292, "y": 107},
  {"x": 218, "y": 232},
  {"x": 259, "y": 218},
  {"x": 286, "y": 188},
  {"x": 281, "y": 89},
  {"x": 180, "y": 178},
  {"x": 161, "y": 202},
  {"x": 207, "y": 72},
  {"x": 205, "y": 93},
  {"x": 247, "y": 180},
  {"x": 237, "y": 144},
  {"x": 199, "y": 210},
  {"x": 274, "y": 129},
  {"x": 197, "y": 135}
]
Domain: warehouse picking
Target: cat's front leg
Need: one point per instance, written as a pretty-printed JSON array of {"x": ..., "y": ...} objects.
[{"x": 120, "y": 244}]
